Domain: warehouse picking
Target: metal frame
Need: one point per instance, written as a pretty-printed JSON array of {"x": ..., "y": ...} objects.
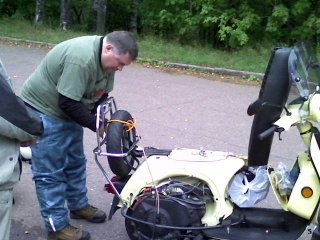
[{"x": 104, "y": 112}]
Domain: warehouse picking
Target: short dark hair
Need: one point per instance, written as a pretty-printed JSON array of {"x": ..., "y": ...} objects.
[{"x": 124, "y": 42}]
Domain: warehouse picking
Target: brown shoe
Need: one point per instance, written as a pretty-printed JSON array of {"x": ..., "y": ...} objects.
[
  {"x": 69, "y": 233},
  {"x": 90, "y": 213}
]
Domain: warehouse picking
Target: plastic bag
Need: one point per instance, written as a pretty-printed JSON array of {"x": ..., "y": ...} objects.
[
  {"x": 249, "y": 187},
  {"x": 284, "y": 179}
]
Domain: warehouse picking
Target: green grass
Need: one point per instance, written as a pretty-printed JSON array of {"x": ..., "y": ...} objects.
[
  {"x": 151, "y": 48},
  {"x": 26, "y": 30},
  {"x": 248, "y": 59}
]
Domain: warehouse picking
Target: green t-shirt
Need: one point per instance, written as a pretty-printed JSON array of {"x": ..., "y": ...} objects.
[{"x": 72, "y": 68}]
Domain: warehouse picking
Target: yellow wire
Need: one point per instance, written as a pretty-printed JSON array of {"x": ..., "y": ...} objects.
[{"x": 130, "y": 124}]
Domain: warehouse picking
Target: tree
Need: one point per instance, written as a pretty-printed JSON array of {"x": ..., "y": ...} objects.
[
  {"x": 65, "y": 15},
  {"x": 39, "y": 16},
  {"x": 100, "y": 7},
  {"x": 219, "y": 23},
  {"x": 134, "y": 16}
]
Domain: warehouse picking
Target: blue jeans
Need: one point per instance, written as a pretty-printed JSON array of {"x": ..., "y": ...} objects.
[{"x": 59, "y": 171}]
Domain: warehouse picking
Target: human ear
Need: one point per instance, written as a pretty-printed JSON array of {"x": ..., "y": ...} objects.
[{"x": 108, "y": 47}]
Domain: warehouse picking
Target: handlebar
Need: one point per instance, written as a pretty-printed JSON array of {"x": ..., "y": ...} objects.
[{"x": 262, "y": 136}]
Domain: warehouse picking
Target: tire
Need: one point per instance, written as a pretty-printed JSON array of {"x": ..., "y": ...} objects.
[
  {"x": 119, "y": 140},
  {"x": 130, "y": 227}
]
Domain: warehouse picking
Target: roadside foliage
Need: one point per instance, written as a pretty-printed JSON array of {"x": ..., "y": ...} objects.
[{"x": 226, "y": 24}]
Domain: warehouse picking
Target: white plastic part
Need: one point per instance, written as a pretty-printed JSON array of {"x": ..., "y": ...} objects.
[{"x": 26, "y": 152}]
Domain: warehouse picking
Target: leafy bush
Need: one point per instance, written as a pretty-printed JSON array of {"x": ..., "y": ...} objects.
[{"x": 226, "y": 24}]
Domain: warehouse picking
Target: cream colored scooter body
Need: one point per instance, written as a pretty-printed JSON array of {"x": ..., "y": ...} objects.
[
  {"x": 213, "y": 168},
  {"x": 308, "y": 162},
  {"x": 296, "y": 203},
  {"x": 217, "y": 168}
]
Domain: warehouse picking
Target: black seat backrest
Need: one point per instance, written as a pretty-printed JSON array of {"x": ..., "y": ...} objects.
[{"x": 274, "y": 91}]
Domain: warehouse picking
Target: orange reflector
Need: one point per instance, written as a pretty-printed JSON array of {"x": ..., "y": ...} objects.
[{"x": 307, "y": 192}]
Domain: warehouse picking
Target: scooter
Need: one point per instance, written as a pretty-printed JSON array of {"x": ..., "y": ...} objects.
[{"x": 195, "y": 194}]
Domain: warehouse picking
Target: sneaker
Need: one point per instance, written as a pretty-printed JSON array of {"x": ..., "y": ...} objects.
[
  {"x": 69, "y": 233},
  {"x": 90, "y": 213}
]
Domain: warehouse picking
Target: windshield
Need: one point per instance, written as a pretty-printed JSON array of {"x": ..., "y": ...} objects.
[{"x": 304, "y": 71}]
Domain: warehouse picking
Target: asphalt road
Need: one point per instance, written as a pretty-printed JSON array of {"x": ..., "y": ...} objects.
[{"x": 172, "y": 110}]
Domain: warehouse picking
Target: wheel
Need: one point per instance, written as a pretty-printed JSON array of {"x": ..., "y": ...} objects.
[
  {"x": 131, "y": 227},
  {"x": 119, "y": 140}
]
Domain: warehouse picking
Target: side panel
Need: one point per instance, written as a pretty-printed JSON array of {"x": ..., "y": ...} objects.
[
  {"x": 215, "y": 173},
  {"x": 301, "y": 206}
]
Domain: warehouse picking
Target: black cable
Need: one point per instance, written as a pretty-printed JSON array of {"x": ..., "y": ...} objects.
[{"x": 173, "y": 227}]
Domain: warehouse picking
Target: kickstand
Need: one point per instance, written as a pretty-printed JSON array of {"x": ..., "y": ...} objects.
[{"x": 114, "y": 206}]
